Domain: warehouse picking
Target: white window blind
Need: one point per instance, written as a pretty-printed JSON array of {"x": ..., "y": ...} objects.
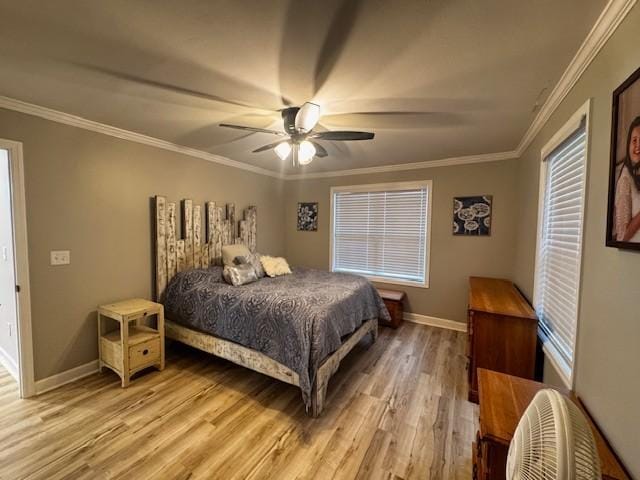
[
  {"x": 560, "y": 245},
  {"x": 381, "y": 233}
]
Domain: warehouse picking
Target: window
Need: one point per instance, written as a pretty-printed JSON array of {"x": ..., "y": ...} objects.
[
  {"x": 559, "y": 251},
  {"x": 382, "y": 231}
]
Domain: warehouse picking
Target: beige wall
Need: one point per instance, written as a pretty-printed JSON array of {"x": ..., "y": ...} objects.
[
  {"x": 453, "y": 259},
  {"x": 90, "y": 193},
  {"x": 609, "y": 326}
]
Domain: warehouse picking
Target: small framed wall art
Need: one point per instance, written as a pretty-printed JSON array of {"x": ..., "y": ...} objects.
[
  {"x": 472, "y": 215},
  {"x": 308, "y": 216}
]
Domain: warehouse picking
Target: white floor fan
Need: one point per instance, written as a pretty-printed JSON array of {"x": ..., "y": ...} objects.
[{"x": 553, "y": 441}]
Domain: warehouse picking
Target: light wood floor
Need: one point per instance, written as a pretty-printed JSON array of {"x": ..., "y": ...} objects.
[{"x": 395, "y": 410}]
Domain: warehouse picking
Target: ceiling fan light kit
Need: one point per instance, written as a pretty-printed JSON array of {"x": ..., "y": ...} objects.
[
  {"x": 283, "y": 150},
  {"x": 306, "y": 151},
  {"x": 298, "y": 125}
]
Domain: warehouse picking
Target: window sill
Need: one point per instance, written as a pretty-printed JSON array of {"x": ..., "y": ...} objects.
[{"x": 386, "y": 280}]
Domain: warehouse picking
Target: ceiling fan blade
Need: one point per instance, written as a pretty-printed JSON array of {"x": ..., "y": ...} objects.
[
  {"x": 264, "y": 148},
  {"x": 307, "y": 117},
  {"x": 394, "y": 119},
  {"x": 343, "y": 135},
  {"x": 219, "y": 78},
  {"x": 320, "y": 150},
  {"x": 335, "y": 41},
  {"x": 254, "y": 129}
]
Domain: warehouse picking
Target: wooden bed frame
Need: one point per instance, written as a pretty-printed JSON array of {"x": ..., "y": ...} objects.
[{"x": 173, "y": 255}]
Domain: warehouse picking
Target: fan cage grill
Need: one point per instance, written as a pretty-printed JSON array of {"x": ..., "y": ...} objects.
[{"x": 553, "y": 441}]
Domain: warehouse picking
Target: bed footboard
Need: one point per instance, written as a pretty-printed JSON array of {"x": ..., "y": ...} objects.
[{"x": 259, "y": 362}]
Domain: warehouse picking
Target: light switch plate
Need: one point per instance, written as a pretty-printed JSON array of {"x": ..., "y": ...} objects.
[{"x": 60, "y": 257}]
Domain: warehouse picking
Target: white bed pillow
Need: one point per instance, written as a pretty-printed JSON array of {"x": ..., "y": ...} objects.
[
  {"x": 274, "y": 266},
  {"x": 230, "y": 252}
]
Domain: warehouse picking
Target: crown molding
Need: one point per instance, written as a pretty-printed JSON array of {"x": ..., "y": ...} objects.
[
  {"x": 614, "y": 12},
  {"x": 444, "y": 162},
  {"x": 75, "y": 121}
]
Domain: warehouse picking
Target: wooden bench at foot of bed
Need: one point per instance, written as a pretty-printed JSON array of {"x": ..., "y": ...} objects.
[{"x": 259, "y": 362}]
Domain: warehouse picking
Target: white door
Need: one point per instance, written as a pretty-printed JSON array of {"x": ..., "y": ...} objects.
[{"x": 8, "y": 300}]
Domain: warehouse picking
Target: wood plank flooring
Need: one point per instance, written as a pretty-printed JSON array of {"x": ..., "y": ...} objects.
[{"x": 395, "y": 410}]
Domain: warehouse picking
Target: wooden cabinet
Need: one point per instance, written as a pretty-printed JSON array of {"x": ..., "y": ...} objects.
[
  {"x": 503, "y": 400},
  {"x": 502, "y": 330},
  {"x": 393, "y": 301}
]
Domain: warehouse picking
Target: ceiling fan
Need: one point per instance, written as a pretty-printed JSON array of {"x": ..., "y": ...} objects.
[{"x": 301, "y": 143}]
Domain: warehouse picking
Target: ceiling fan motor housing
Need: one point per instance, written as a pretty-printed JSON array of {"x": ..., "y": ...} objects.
[{"x": 289, "y": 119}]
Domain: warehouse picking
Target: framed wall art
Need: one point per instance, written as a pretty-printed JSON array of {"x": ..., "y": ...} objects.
[
  {"x": 472, "y": 215},
  {"x": 308, "y": 216},
  {"x": 623, "y": 213}
]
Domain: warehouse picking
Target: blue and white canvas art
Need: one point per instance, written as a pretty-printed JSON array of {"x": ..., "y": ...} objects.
[{"x": 472, "y": 215}]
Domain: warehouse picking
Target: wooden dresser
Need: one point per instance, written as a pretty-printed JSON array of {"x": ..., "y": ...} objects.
[
  {"x": 502, "y": 330},
  {"x": 503, "y": 400}
]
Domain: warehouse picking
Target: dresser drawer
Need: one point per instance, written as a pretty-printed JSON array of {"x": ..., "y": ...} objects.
[{"x": 145, "y": 353}]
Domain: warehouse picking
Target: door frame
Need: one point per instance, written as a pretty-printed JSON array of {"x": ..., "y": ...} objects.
[{"x": 21, "y": 262}]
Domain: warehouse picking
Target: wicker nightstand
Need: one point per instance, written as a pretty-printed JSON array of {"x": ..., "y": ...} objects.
[{"x": 131, "y": 348}]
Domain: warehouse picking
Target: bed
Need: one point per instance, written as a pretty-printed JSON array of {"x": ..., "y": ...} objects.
[{"x": 296, "y": 328}]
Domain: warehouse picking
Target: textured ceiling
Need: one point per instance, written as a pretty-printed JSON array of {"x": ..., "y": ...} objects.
[{"x": 432, "y": 79}]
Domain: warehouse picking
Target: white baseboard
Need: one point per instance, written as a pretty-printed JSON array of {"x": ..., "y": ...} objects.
[
  {"x": 435, "y": 322},
  {"x": 9, "y": 364},
  {"x": 68, "y": 376}
]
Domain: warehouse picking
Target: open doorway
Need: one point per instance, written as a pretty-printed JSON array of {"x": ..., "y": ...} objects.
[
  {"x": 16, "y": 350},
  {"x": 8, "y": 298}
]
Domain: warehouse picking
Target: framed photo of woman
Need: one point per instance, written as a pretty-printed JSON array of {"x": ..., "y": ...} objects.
[{"x": 623, "y": 214}]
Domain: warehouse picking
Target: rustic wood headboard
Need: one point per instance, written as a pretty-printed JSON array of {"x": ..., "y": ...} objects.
[{"x": 174, "y": 255}]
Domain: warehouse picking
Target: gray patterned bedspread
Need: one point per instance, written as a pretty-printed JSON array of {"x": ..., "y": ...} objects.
[{"x": 297, "y": 320}]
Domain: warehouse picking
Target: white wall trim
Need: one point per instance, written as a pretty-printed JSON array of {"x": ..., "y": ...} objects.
[
  {"x": 606, "y": 24},
  {"x": 68, "y": 376},
  {"x": 80, "y": 122},
  {"x": 9, "y": 364},
  {"x": 435, "y": 321},
  {"x": 75, "y": 121},
  {"x": 614, "y": 12},
  {"x": 21, "y": 259}
]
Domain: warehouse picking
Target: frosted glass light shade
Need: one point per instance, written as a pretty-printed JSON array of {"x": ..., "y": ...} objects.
[
  {"x": 283, "y": 150},
  {"x": 306, "y": 152}
]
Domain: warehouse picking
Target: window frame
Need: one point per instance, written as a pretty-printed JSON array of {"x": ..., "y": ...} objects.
[
  {"x": 386, "y": 187},
  {"x": 565, "y": 371}
]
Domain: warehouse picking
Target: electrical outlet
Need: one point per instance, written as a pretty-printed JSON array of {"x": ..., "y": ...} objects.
[{"x": 60, "y": 257}]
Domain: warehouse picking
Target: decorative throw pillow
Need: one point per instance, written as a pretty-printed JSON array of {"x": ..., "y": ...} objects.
[
  {"x": 239, "y": 275},
  {"x": 240, "y": 260},
  {"x": 274, "y": 266},
  {"x": 230, "y": 252},
  {"x": 254, "y": 260}
]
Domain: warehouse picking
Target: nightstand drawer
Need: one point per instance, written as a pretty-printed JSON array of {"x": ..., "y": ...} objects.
[{"x": 144, "y": 353}]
